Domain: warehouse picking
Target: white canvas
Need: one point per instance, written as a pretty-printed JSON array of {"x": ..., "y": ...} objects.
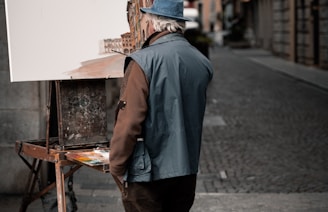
[{"x": 60, "y": 39}]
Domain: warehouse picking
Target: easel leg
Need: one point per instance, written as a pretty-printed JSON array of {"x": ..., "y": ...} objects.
[
  {"x": 32, "y": 178},
  {"x": 60, "y": 184}
]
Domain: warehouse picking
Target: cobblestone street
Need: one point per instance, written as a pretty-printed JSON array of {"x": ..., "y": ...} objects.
[{"x": 264, "y": 131}]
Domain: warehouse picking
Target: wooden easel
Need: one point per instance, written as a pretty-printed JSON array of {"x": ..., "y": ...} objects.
[{"x": 76, "y": 121}]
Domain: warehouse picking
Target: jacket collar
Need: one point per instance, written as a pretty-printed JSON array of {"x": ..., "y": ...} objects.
[{"x": 159, "y": 37}]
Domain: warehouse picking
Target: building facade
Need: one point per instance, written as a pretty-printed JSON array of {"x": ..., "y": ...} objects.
[
  {"x": 138, "y": 27},
  {"x": 295, "y": 30},
  {"x": 210, "y": 15},
  {"x": 127, "y": 43}
]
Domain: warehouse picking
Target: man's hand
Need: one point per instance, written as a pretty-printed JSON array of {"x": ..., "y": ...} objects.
[
  {"x": 120, "y": 178},
  {"x": 119, "y": 181}
]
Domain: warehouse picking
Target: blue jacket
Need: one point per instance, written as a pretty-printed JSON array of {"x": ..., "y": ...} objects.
[{"x": 178, "y": 76}]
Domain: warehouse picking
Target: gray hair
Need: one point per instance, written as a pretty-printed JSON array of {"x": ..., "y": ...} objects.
[{"x": 161, "y": 23}]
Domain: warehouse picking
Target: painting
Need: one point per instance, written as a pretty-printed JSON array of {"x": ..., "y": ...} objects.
[
  {"x": 66, "y": 39},
  {"x": 94, "y": 157}
]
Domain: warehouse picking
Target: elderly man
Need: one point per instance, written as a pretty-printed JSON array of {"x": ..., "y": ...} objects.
[{"x": 156, "y": 139}]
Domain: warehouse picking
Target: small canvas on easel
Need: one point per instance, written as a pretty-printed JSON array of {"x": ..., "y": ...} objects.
[
  {"x": 81, "y": 112},
  {"x": 66, "y": 39}
]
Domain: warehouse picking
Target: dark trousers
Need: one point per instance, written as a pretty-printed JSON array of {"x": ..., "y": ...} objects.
[{"x": 172, "y": 194}]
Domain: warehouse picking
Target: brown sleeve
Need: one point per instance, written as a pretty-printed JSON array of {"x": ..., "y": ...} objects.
[{"x": 130, "y": 115}]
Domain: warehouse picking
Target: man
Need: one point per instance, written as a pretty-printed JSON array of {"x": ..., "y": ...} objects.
[{"x": 155, "y": 148}]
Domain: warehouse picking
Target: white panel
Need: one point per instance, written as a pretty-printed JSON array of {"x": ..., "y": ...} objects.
[{"x": 60, "y": 39}]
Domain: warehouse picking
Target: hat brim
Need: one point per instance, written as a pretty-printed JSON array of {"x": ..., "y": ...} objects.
[{"x": 150, "y": 11}]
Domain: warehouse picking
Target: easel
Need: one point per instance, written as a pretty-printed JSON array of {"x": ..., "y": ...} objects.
[{"x": 76, "y": 121}]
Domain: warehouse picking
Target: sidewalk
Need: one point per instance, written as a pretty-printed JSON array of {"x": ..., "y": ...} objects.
[
  {"x": 316, "y": 202},
  {"x": 211, "y": 202},
  {"x": 97, "y": 192},
  {"x": 311, "y": 75}
]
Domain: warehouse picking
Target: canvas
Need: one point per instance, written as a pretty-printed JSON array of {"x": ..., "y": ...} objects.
[{"x": 66, "y": 39}]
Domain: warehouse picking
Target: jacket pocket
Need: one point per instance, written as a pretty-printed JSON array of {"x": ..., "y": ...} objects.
[{"x": 139, "y": 169}]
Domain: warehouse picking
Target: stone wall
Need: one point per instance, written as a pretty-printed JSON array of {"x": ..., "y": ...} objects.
[
  {"x": 323, "y": 34},
  {"x": 265, "y": 24},
  {"x": 304, "y": 38},
  {"x": 20, "y": 114},
  {"x": 281, "y": 29}
]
